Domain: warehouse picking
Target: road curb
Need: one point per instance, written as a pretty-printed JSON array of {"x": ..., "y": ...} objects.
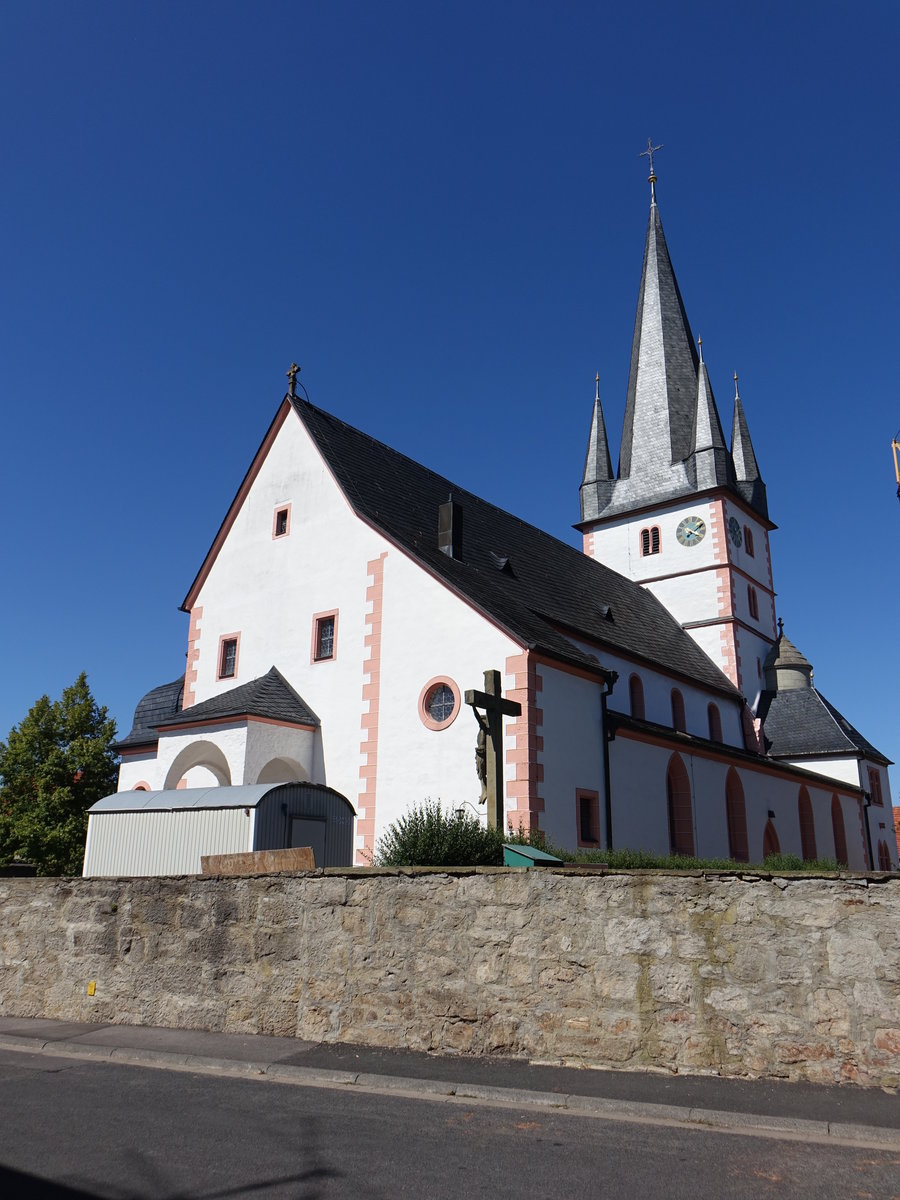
[{"x": 882, "y": 1137}]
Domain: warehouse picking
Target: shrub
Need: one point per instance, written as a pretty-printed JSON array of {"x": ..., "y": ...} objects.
[{"x": 429, "y": 836}]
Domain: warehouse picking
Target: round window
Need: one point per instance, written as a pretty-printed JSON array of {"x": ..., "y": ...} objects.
[{"x": 439, "y": 703}]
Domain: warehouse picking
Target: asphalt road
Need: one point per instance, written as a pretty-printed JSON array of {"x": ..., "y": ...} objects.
[{"x": 71, "y": 1129}]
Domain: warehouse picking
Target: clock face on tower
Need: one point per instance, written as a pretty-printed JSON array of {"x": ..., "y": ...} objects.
[
  {"x": 691, "y": 531},
  {"x": 735, "y": 530}
]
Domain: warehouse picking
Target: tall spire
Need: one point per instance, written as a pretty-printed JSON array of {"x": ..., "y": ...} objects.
[
  {"x": 749, "y": 482},
  {"x": 709, "y": 464},
  {"x": 598, "y": 479},
  {"x": 663, "y": 377}
]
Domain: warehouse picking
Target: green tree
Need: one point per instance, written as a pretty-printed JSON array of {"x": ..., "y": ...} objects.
[{"x": 53, "y": 767}]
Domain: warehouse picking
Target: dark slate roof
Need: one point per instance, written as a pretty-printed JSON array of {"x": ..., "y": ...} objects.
[
  {"x": 533, "y": 585},
  {"x": 672, "y": 440},
  {"x": 268, "y": 696},
  {"x": 161, "y": 704},
  {"x": 800, "y": 723}
]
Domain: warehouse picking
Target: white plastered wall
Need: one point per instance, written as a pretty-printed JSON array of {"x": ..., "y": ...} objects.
[
  {"x": 269, "y": 589},
  {"x": 429, "y": 633},
  {"x": 572, "y": 730},
  {"x": 640, "y": 818}
]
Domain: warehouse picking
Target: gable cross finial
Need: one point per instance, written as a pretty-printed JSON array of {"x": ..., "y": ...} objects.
[
  {"x": 780, "y": 627},
  {"x": 648, "y": 153},
  {"x": 292, "y": 373}
]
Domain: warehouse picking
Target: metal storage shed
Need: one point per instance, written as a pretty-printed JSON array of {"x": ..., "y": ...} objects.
[{"x": 165, "y": 833}]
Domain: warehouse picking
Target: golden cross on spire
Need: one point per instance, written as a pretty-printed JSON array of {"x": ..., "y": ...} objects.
[{"x": 648, "y": 153}]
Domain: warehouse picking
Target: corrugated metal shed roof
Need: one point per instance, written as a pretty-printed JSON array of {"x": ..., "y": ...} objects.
[{"x": 242, "y": 796}]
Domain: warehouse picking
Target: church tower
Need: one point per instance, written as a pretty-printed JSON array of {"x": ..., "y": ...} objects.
[{"x": 684, "y": 515}]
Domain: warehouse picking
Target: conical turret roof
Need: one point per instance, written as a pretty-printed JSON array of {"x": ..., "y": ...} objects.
[{"x": 598, "y": 477}]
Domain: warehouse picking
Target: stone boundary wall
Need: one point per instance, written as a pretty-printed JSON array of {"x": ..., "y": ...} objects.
[{"x": 744, "y": 975}]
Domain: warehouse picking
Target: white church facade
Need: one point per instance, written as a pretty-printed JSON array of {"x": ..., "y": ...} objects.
[{"x": 351, "y": 597}]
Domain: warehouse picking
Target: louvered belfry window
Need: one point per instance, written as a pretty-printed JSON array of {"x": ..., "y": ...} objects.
[{"x": 650, "y": 541}]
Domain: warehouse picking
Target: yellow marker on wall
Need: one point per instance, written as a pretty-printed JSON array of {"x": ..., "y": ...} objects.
[{"x": 92, "y": 987}]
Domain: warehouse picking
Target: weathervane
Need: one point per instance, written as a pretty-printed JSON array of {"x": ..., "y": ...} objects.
[{"x": 648, "y": 153}]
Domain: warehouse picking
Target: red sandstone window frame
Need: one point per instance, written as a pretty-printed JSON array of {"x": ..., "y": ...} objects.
[
  {"x": 425, "y": 698},
  {"x": 753, "y": 602},
  {"x": 679, "y": 807},
  {"x": 884, "y": 856},
  {"x": 319, "y": 634},
  {"x": 679, "y": 718},
  {"x": 225, "y": 658},
  {"x": 636, "y": 697},
  {"x": 651, "y": 542},
  {"x": 875, "y": 787},
  {"x": 748, "y": 540},
  {"x": 771, "y": 844},
  {"x": 736, "y": 817},
  {"x": 281, "y": 511},
  {"x": 839, "y": 831},
  {"x": 807, "y": 821},
  {"x": 714, "y": 718},
  {"x": 587, "y": 815}
]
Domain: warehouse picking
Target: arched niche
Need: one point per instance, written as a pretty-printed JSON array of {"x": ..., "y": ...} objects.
[
  {"x": 283, "y": 770},
  {"x": 199, "y": 754}
]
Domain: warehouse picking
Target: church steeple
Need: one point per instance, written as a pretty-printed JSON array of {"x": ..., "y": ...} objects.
[
  {"x": 748, "y": 480},
  {"x": 662, "y": 380},
  {"x": 709, "y": 465},
  {"x": 598, "y": 479}
]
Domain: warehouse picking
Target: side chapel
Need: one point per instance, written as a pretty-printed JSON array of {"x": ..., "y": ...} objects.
[{"x": 351, "y": 597}]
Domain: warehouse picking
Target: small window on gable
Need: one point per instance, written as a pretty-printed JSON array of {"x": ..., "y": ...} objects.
[
  {"x": 748, "y": 540},
  {"x": 715, "y": 723},
  {"x": 588, "y": 818},
  {"x": 636, "y": 697},
  {"x": 282, "y": 523},
  {"x": 650, "y": 541},
  {"x": 324, "y": 636},
  {"x": 228, "y": 656},
  {"x": 875, "y": 786},
  {"x": 753, "y": 602},
  {"x": 678, "y": 718}
]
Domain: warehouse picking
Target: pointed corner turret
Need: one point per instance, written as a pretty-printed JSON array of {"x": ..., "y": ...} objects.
[
  {"x": 598, "y": 479},
  {"x": 746, "y": 471},
  {"x": 710, "y": 463}
]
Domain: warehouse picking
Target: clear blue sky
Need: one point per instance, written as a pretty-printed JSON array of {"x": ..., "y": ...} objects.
[{"x": 439, "y": 211}]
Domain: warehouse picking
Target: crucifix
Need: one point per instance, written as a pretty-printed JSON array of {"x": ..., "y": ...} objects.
[
  {"x": 490, "y": 722},
  {"x": 292, "y": 372},
  {"x": 648, "y": 153}
]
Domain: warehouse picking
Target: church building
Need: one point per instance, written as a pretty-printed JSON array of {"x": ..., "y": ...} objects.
[{"x": 352, "y": 597}]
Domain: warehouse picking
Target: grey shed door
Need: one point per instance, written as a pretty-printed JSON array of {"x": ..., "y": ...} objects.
[{"x": 309, "y": 831}]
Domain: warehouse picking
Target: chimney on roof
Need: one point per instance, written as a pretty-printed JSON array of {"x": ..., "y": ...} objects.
[{"x": 450, "y": 528}]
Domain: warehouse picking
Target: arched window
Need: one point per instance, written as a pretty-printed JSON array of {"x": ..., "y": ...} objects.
[
  {"x": 748, "y": 540},
  {"x": 875, "y": 787},
  {"x": 753, "y": 602},
  {"x": 636, "y": 697},
  {"x": 807, "y": 826},
  {"x": 715, "y": 723},
  {"x": 840, "y": 837},
  {"x": 681, "y": 816},
  {"x": 884, "y": 856},
  {"x": 650, "y": 541},
  {"x": 678, "y": 720},
  {"x": 771, "y": 845},
  {"x": 736, "y": 810}
]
